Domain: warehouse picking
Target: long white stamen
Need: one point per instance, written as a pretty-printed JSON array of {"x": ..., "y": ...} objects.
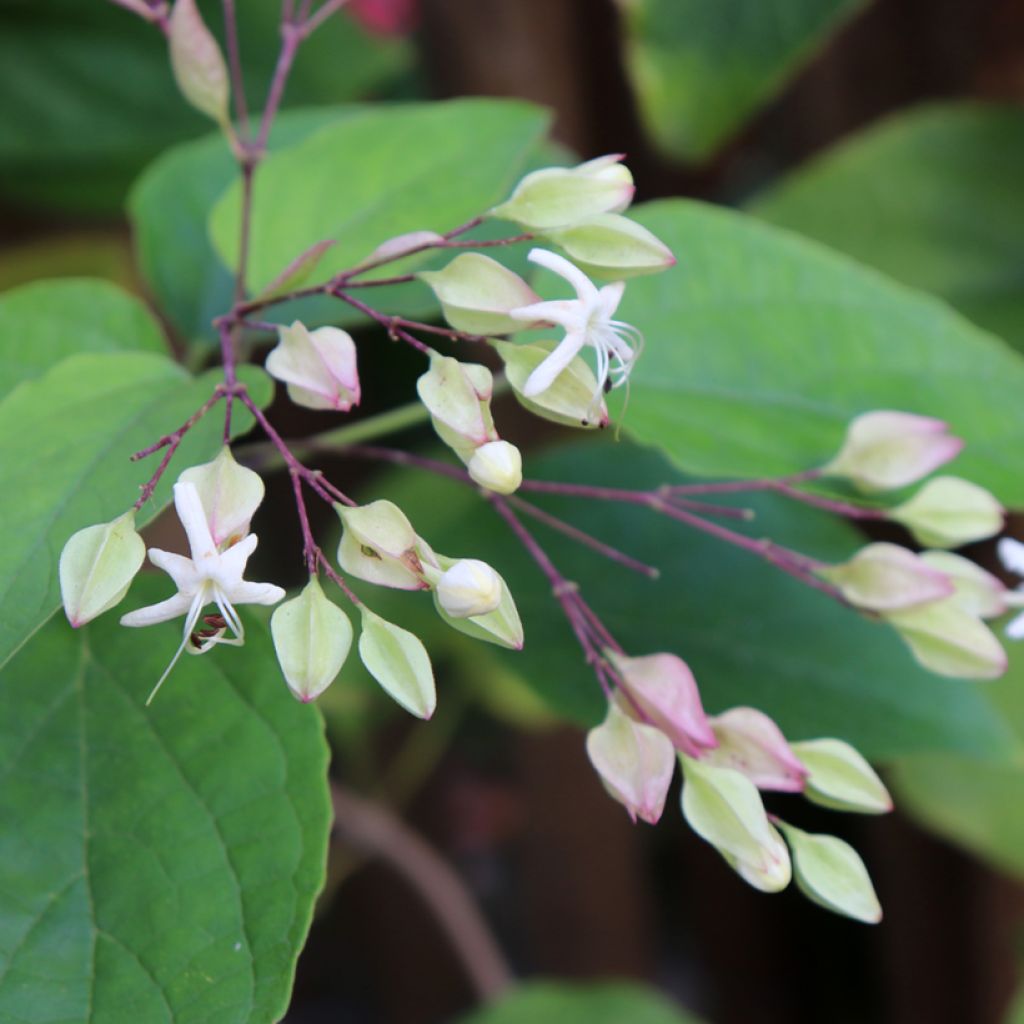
[{"x": 190, "y": 623}]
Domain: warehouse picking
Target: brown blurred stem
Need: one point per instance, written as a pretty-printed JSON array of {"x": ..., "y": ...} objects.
[{"x": 375, "y": 830}]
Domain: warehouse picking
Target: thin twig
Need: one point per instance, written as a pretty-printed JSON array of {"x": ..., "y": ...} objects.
[{"x": 235, "y": 64}]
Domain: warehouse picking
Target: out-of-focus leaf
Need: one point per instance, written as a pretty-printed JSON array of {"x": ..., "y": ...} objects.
[
  {"x": 165, "y": 860},
  {"x": 80, "y": 253},
  {"x": 700, "y": 68},
  {"x": 931, "y": 196}
]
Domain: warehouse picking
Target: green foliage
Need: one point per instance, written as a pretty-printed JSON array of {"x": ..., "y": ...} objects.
[
  {"x": 751, "y": 634},
  {"x": 161, "y": 863},
  {"x": 377, "y": 174},
  {"x": 931, "y": 197},
  {"x": 761, "y": 347},
  {"x": 549, "y": 1002},
  {"x": 700, "y": 68}
]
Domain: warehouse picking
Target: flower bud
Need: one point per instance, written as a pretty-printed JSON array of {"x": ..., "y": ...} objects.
[
  {"x": 950, "y": 641},
  {"x": 379, "y": 545},
  {"x": 399, "y": 662},
  {"x": 570, "y": 398},
  {"x": 457, "y": 396},
  {"x": 497, "y": 466},
  {"x": 751, "y": 743},
  {"x": 229, "y": 494},
  {"x": 840, "y": 778},
  {"x": 197, "y": 62},
  {"x": 976, "y": 591},
  {"x": 635, "y": 763},
  {"x": 470, "y": 587},
  {"x": 501, "y": 626},
  {"x": 885, "y": 577},
  {"x": 612, "y": 246},
  {"x": 318, "y": 367},
  {"x": 724, "y": 808},
  {"x": 662, "y": 688},
  {"x": 830, "y": 872},
  {"x": 948, "y": 512},
  {"x": 312, "y": 638},
  {"x": 97, "y": 567},
  {"x": 558, "y": 196},
  {"x": 402, "y": 245},
  {"x": 886, "y": 450},
  {"x": 476, "y": 294}
]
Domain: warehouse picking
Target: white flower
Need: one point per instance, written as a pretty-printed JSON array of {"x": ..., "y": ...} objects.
[
  {"x": 210, "y": 576},
  {"x": 587, "y": 320},
  {"x": 1012, "y": 554}
]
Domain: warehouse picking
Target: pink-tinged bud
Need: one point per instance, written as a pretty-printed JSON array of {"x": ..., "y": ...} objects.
[
  {"x": 612, "y": 246},
  {"x": 635, "y": 762},
  {"x": 402, "y": 245},
  {"x": 886, "y": 450},
  {"x": 751, "y": 743},
  {"x": 197, "y": 62},
  {"x": 885, "y": 577},
  {"x": 318, "y": 367},
  {"x": 976, "y": 591},
  {"x": 948, "y": 512},
  {"x": 662, "y": 688}
]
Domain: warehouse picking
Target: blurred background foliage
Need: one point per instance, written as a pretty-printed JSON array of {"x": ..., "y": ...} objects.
[{"x": 887, "y": 130}]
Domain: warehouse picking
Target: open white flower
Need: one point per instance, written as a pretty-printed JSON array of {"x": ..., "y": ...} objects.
[
  {"x": 587, "y": 320},
  {"x": 210, "y": 576},
  {"x": 1012, "y": 554}
]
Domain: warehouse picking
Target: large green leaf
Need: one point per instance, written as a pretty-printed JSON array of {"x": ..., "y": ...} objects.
[
  {"x": 751, "y": 634},
  {"x": 701, "y": 67},
  {"x": 931, "y": 196},
  {"x": 761, "y": 346},
  {"x": 377, "y": 174},
  {"x": 159, "y": 864},
  {"x": 89, "y": 97},
  {"x": 43, "y": 322},
  {"x": 65, "y": 441},
  {"x": 548, "y": 1002}
]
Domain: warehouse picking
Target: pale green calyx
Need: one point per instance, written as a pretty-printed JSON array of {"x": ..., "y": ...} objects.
[
  {"x": 497, "y": 466},
  {"x": 318, "y": 367},
  {"x": 612, "y": 246},
  {"x": 559, "y": 196},
  {"x": 476, "y": 293},
  {"x": 97, "y": 567},
  {"x": 469, "y": 588},
  {"x": 947, "y": 512},
  {"x": 312, "y": 638},
  {"x": 458, "y": 395},
  {"x": 568, "y": 400},
  {"x": 501, "y": 626},
  {"x": 975, "y": 590},
  {"x": 841, "y": 778},
  {"x": 886, "y": 577},
  {"x": 379, "y": 545},
  {"x": 197, "y": 62},
  {"x": 830, "y": 872},
  {"x": 229, "y": 494},
  {"x": 399, "y": 662}
]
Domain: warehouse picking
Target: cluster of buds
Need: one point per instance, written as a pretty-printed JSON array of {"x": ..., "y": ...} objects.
[{"x": 655, "y": 718}]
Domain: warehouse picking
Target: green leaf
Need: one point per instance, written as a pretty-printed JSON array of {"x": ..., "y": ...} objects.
[
  {"x": 65, "y": 442},
  {"x": 45, "y": 321},
  {"x": 165, "y": 859},
  {"x": 549, "y": 1002},
  {"x": 751, "y": 634},
  {"x": 377, "y": 174},
  {"x": 700, "y": 68},
  {"x": 930, "y": 196},
  {"x": 761, "y": 347}
]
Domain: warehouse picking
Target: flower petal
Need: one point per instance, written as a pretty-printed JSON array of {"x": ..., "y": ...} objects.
[
  {"x": 544, "y": 376},
  {"x": 163, "y": 611},
  {"x": 193, "y": 518},
  {"x": 584, "y": 287},
  {"x": 567, "y": 313},
  {"x": 182, "y": 570},
  {"x": 254, "y": 593}
]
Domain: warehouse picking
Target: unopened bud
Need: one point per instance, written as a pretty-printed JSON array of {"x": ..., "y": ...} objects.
[
  {"x": 476, "y": 294},
  {"x": 830, "y": 872},
  {"x": 570, "y": 398},
  {"x": 229, "y": 494},
  {"x": 724, "y": 808},
  {"x": 97, "y": 567},
  {"x": 662, "y": 688},
  {"x": 610, "y": 245},
  {"x": 840, "y": 778},
  {"x": 197, "y": 62},
  {"x": 950, "y": 641},
  {"x": 886, "y": 450},
  {"x": 497, "y": 466},
  {"x": 398, "y": 661},
  {"x": 558, "y": 196},
  {"x": 501, "y": 625},
  {"x": 751, "y": 743},
  {"x": 402, "y": 245},
  {"x": 886, "y": 577},
  {"x": 457, "y": 396},
  {"x": 975, "y": 590},
  {"x": 948, "y": 512},
  {"x": 318, "y": 367},
  {"x": 312, "y": 638},
  {"x": 470, "y": 587},
  {"x": 379, "y": 545},
  {"x": 635, "y": 763}
]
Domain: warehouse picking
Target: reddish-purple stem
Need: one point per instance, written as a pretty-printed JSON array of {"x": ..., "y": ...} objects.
[
  {"x": 394, "y": 331},
  {"x": 235, "y": 64}
]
